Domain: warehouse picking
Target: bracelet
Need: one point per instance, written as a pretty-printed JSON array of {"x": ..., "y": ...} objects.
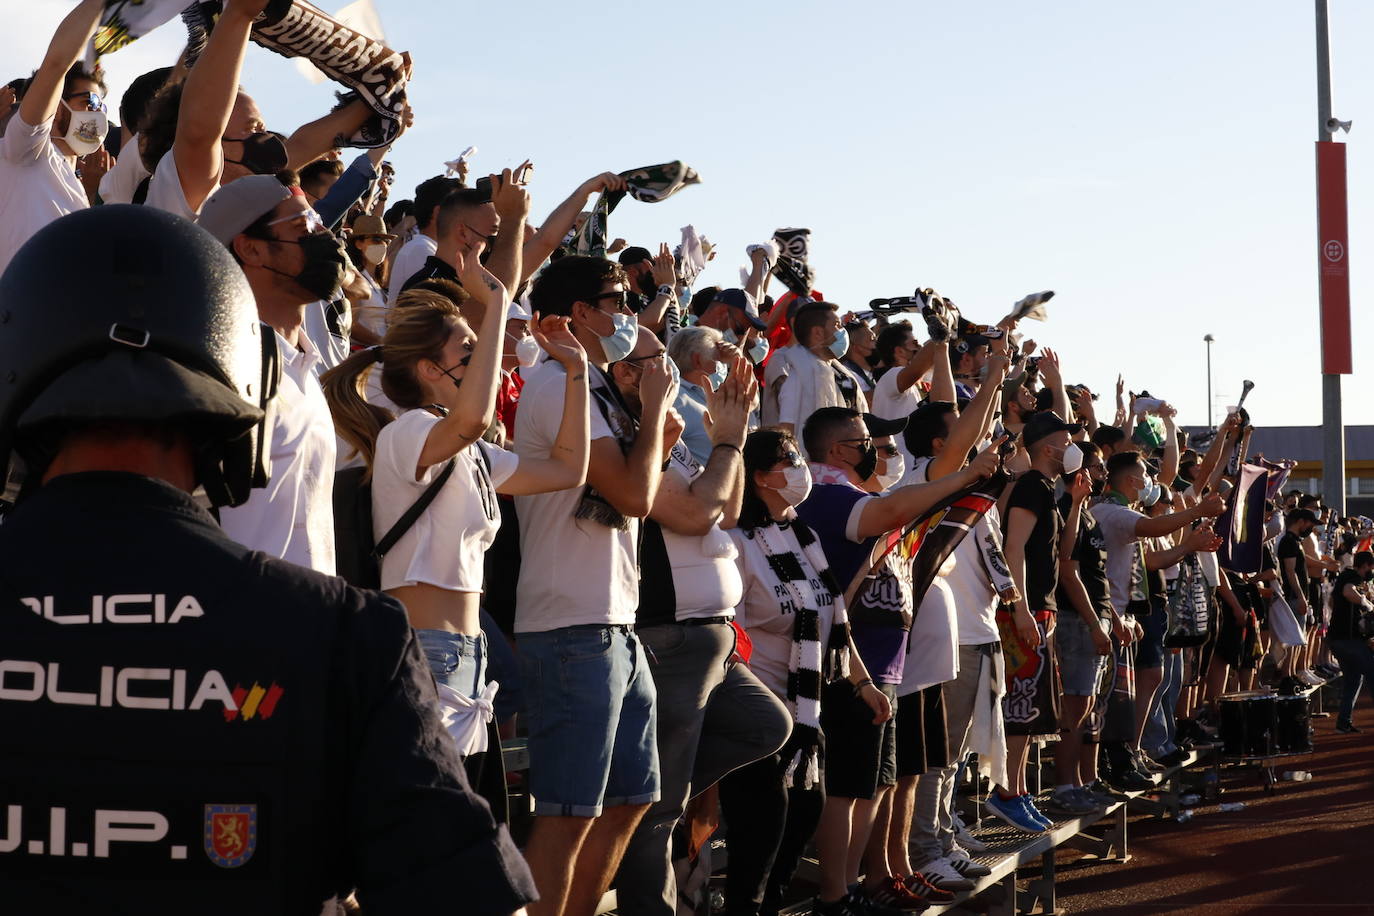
[
  {"x": 728, "y": 445},
  {"x": 667, "y": 290},
  {"x": 667, "y": 463},
  {"x": 866, "y": 682}
]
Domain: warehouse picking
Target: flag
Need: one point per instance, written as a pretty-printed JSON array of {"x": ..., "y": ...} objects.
[
  {"x": 648, "y": 184},
  {"x": 1241, "y": 526},
  {"x": 792, "y": 269},
  {"x": 923, "y": 545},
  {"x": 360, "y": 16}
]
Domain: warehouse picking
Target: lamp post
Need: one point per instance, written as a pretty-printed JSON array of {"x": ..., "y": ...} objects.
[{"x": 1208, "y": 338}]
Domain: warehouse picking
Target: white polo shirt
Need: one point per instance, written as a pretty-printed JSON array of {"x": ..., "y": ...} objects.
[{"x": 293, "y": 517}]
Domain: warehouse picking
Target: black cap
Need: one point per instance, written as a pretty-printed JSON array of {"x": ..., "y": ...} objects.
[
  {"x": 1302, "y": 515},
  {"x": 1042, "y": 424},
  {"x": 878, "y": 427},
  {"x": 740, "y": 299},
  {"x": 633, "y": 255}
]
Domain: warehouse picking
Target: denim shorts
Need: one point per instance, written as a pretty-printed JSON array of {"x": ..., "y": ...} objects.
[
  {"x": 456, "y": 660},
  {"x": 589, "y": 708},
  {"x": 1149, "y": 652},
  {"x": 1081, "y": 669}
]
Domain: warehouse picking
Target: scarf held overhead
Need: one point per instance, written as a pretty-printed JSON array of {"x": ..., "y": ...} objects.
[
  {"x": 291, "y": 28},
  {"x": 649, "y": 184}
]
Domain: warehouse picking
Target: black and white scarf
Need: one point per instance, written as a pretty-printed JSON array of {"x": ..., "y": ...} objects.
[
  {"x": 606, "y": 398},
  {"x": 811, "y": 665}
]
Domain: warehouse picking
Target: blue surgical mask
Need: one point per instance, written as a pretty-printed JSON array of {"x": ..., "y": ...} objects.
[
  {"x": 621, "y": 340},
  {"x": 674, "y": 372},
  {"x": 840, "y": 345},
  {"x": 717, "y": 378},
  {"x": 1150, "y": 494},
  {"x": 758, "y": 352}
]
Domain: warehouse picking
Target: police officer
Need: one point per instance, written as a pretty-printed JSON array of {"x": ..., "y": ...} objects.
[{"x": 190, "y": 726}]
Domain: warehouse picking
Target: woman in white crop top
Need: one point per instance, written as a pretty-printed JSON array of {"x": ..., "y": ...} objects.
[{"x": 444, "y": 379}]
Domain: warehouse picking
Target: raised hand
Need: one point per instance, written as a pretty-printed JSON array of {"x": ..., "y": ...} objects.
[
  {"x": 555, "y": 336},
  {"x": 606, "y": 181},
  {"x": 663, "y": 267}
]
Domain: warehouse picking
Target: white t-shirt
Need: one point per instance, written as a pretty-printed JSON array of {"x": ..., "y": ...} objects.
[
  {"x": 120, "y": 183},
  {"x": 1118, "y": 529},
  {"x": 37, "y": 185},
  {"x": 164, "y": 189},
  {"x": 706, "y": 581},
  {"x": 446, "y": 545},
  {"x": 408, "y": 262},
  {"x": 768, "y": 618},
  {"x": 891, "y": 404},
  {"x": 293, "y": 517},
  {"x": 975, "y": 600},
  {"x": 333, "y": 349},
  {"x": 573, "y": 571}
]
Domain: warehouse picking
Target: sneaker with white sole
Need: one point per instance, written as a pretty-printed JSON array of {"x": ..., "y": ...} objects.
[
  {"x": 963, "y": 863},
  {"x": 945, "y": 876},
  {"x": 1012, "y": 811},
  {"x": 1071, "y": 802},
  {"x": 965, "y": 838},
  {"x": 1028, "y": 803}
]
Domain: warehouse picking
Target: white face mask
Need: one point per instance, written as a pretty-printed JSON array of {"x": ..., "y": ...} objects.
[
  {"x": 85, "y": 130},
  {"x": 896, "y": 467},
  {"x": 374, "y": 253},
  {"x": 526, "y": 349},
  {"x": 1150, "y": 493},
  {"x": 798, "y": 485},
  {"x": 1073, "y": 458}
]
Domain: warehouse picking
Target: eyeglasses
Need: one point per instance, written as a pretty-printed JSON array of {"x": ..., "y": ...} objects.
[
  {"x": 313, "y": 222},
  {"x": 93, "y": 100},
  {"x": 867, "y": 443},
  {"x": 639, "y": 359}
]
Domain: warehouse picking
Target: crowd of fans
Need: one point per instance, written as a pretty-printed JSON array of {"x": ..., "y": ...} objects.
[{"x": 654, "y": 517}]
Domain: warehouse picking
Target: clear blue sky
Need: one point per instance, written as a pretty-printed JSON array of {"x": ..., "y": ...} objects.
[{"x": 1154, "y": 167}]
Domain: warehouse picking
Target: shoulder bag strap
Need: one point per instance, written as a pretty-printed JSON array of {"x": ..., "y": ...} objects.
[{"x": 404, "y": 523}]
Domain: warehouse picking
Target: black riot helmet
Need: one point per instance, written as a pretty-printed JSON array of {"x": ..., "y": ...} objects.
[{"x": 127, "y": 313}]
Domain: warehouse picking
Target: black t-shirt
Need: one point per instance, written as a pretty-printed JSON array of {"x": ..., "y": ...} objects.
[
  {"x": 1090, "y": 552},
  {"x": 221, "y": 731},
  {"x": 1035, "y": 493},
  {"x": 432, "y": 268},
  {"x": 1291, "y": 547},
  {"x": 1343, "y": 612}
]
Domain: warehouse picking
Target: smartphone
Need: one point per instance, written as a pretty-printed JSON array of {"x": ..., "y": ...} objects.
[{"x": 483, "y": 187}]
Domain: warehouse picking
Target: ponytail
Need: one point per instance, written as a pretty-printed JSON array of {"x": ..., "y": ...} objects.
[{"x": 418, "y": 327}]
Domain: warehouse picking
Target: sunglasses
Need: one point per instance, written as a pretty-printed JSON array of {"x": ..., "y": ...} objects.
[
  {"x": 93, "y": 100},
  {"x": 622, "y": 298},
  {"x": 791, "y": 459}
]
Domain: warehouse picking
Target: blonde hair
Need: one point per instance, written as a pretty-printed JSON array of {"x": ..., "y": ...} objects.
[{"x": 418, "y": 327}]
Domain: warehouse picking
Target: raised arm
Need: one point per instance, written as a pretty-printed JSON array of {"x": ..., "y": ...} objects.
[
  {"x": 560, "y": 222},
  {"x": 1054, "y": 381},
  {"x": 974, "y": 422},
  {"x": 566, "y": 466},
  {"x": 664, "y": 272},
  {"x": 1168, "y": 468},
  {"x": 941, "y": 372},
  {"x": 68, "y": 43},
  {"x": 1209, "y": 507},
  {"x": 882, "y": 514},
  {"x": 1211, "y": 462},
  {"x": 512, "y": 203},
  {"x": 313, "y": 139},
  {"x": 1200, "y": 538},
  {"x": 630, "y": 481}
]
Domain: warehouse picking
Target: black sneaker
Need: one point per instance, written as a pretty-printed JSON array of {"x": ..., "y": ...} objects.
[
  {"x": 1127, "y": 780},
  {"x": 1172, "y": 759},
  {"x": 847, "y": 905},
  {"x": 1348, "y": 728}
]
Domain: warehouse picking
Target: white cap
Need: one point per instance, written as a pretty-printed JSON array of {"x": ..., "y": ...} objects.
[{"x": 519, "y": 309}]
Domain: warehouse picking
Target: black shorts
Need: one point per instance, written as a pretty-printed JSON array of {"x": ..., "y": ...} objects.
[
  {"x": 1209, "y": 648},
  {"x": 860, "y": 756},
  {"x": 922, "y": 735},
  {"x": 1230, "y": 639}
]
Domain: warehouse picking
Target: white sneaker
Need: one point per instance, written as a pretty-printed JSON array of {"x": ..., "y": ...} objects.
[
  {"x": 965, "y": 838},
  {"x": 1309, "y": 677},
  {"x": 963, "y": 863},
  {"x": 942, "y": 874}
]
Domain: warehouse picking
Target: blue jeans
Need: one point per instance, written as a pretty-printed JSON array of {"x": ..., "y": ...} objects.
[
  {"x": 456, "y": 660},
  {"x": 1158, "y": 738},
  {"x": 589, "y": 706},
  {"x": 1357, "y": 665}
]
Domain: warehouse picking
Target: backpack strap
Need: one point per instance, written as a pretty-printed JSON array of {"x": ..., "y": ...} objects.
[{"x": 417, "y": 508}]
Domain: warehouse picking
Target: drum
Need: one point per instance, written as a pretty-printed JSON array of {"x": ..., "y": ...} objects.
[
  {"x": 1292, "y": 731},
  {"x": 1247, "y": 724}
]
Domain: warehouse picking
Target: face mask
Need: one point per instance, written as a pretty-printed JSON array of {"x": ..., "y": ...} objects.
[
  {"x": 758, "y": 351},
  {"x": 526, "y": 350},
  {"x": 1099, "y": 487},
  {"x": 717, "y": 378},
  {"x": 868, "y": 463},
  {"x": 730, "y": 337},
  {"x": 675, "y": 372},
  {"x": 325, "y": 263},
  {"x": 375, "y": 253},
  {"x": 896, "y": 467},
  {"x": 840, "y": 345},
  {"x": 647, "y": 286},
  {"x": 621, "y": 341},
  {"x": 1073, "y": 458},
  {"x": 85, "y": 130},
  {"x": 798, "y": 485},
  {"x": 263, "y": 154},
  {"x": 1149, "y": 495}
]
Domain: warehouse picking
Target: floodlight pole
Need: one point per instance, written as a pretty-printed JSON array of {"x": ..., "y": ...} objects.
[{"x": 1333, "y": 428}]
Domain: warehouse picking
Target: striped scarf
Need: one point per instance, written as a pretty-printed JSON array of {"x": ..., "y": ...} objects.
[{"x": 811, "y": 665}]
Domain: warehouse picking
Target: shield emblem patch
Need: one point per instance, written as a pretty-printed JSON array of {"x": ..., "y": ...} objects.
[{"x": 231, "y": 834}]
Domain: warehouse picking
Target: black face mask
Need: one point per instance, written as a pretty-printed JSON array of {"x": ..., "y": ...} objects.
[
  {"x": 647, "y": 286},
  {"x": 1099, "y": 487},
  {"x": 868, "y": 463},
  {"x": 263, "y": 154},
  {"x": 325, "y": 263}
]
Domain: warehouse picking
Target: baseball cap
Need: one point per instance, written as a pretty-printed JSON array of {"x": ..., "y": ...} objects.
[
  {"x": 238, "y": 204},
  {"x": 633, "y": 255},
  {"x": 878, "y": 427},
  {"x": 1045, "y": 423},
  {"x": 519, "y": 309},
  {"x": 740, "y": 299}
]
